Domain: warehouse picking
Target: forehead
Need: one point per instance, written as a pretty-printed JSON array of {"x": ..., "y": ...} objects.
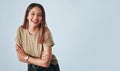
[{"x": 36, "y": 10}]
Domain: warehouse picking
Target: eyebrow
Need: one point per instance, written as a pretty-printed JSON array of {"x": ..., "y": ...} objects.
[{"x": 38, "y": 13}]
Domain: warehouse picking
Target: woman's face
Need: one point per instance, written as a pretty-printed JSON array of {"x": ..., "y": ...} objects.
[{"x": 34, "y": 17}]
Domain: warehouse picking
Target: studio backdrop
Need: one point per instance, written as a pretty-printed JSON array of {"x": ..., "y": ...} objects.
[{"x": 86, "y": 33}]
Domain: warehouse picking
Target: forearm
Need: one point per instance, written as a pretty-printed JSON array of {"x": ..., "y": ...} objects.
[
  {"x": 43, "y": 61},
  {"x": 22, "y": 56}
]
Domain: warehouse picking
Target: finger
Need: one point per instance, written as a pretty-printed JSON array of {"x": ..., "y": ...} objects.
[
  {"x": 18, "y": 44},
  {"x": 18, "y": 49}
]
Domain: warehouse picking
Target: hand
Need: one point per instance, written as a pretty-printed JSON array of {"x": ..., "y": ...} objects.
[{"x": 20, "y": 53}]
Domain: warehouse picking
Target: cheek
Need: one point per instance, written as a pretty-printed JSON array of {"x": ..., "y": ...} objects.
[
  {"x": 29, "y": 17},
  {"x": 40, "y": 18}
]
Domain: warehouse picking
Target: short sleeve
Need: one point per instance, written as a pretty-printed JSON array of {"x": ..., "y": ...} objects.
[
  {"x": 18, "y": 37},
  {"x": 48, "y": 38}
]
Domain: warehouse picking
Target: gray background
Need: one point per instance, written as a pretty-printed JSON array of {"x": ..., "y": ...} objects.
[{"x": 86, "y": 33}]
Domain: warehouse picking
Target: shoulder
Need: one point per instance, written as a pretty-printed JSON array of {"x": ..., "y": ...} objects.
[
  {"x": 47, "y": 31},
  {"x": 47, "y": 34},
  {"x": 20, "y": 29}
]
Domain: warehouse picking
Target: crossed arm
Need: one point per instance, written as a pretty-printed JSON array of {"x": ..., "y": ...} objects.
[{"x": 44, "y": 61}]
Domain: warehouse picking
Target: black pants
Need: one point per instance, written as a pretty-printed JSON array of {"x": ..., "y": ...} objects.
[{"x": 52, "y": 67}]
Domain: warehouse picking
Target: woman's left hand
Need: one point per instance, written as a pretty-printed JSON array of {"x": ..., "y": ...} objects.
[{"x": 20, "y": 53}]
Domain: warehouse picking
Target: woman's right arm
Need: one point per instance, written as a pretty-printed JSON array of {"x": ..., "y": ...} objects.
[
  {"x": 20, "y": 53},
  {"x": 44, "y": 61}
]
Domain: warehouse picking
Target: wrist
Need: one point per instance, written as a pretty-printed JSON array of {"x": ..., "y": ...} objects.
[{"x": 27, "y": 58}]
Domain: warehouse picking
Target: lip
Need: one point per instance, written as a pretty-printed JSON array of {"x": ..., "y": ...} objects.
[{"x": 35, "y": 22}]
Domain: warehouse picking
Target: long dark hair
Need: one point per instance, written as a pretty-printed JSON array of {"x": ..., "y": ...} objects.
[{"x": 42, "y": 23}]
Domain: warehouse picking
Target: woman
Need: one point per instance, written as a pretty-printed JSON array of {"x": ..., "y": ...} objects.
[{"x": 34, "y": 41}]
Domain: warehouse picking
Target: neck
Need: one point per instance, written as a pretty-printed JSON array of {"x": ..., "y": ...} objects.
[{"x": 33, "y": 30}]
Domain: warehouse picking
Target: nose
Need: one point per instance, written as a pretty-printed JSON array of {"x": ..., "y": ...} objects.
[{"x": 35, "y": 17}]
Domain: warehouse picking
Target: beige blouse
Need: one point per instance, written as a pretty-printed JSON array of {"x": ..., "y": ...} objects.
[{"x": 30, "y": 42}]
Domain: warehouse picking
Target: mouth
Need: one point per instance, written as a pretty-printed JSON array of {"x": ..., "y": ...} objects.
[{"x": 35, "y": 22}]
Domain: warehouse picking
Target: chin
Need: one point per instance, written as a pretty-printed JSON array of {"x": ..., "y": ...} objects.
[{"x": 35, "y": 25}]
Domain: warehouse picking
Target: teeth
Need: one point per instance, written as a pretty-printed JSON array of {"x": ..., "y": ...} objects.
[{"x": 34, "y": 21}]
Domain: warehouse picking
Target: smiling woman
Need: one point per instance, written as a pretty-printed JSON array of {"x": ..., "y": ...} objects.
[
  {"x": 34, "y": 17},
  {"x": 34, "y": 41}
]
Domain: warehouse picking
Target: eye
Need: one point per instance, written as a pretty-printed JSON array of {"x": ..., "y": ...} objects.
[
  {"x": 32, "y": 14},
  {"x": 39, "y": 14}
]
